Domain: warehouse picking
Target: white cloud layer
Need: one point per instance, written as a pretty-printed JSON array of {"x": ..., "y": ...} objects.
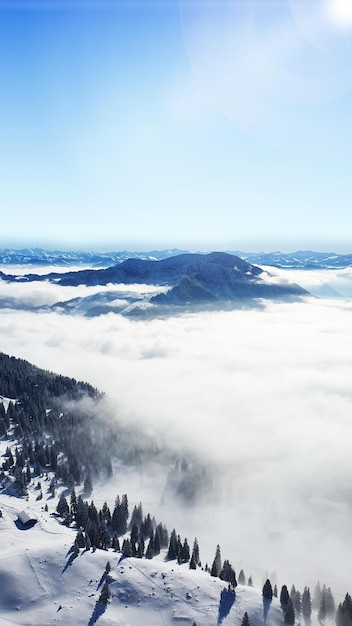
[{"x": 265, "y": 395}]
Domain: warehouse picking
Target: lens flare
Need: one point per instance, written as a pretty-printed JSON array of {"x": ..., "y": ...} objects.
[{"x": 340, "y": 12}]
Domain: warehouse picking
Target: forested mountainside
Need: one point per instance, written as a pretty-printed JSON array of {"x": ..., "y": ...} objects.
[
  {"x": 52, "y": 447},
  {"x": 61, "y": 426}
]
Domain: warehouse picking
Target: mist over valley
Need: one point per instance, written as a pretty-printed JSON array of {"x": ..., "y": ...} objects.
[{"x": 259, "y": 396}]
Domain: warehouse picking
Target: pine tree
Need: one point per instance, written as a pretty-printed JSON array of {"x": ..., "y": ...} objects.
[
  {"x": 290, "y": 613},
  {"x": 241, "y": 578},
  {"x": 140, "y": 549},
  {"x": 127, "y": 548},
  {"x": 297, "y": 603},
  {"x": 329, "y": 602},
  {"x": 217, "y": 565},
  {"x": 284, "y": 598},
  {"x": 322, "y": 609},
  {"x": 185, "y": 552},
  {"x": 173, "y": 548},
  {"x": 192, "y": 563},
  {"x": 150, "y": 549},
  {"x": 306, "y": 604},
  {"x": 267, "y": 590},
  {"x": 73, "y": 504},
  {"x": 228, "y": 573},
  {"x": 80, "y": 539},
  {"x": 195, "y": 552},
  {"x": 316, "y": 601},
  {"x": 344, "y": 612},
  {"x": 250, "y": 581},
  {"x": 87, "y": 541},
  {"x": 62, "y": 507},
  {"x": 245, "y": 618},
  {"x": 105, "y": 514}
]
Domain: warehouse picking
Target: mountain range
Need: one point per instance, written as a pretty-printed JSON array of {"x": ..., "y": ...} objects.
[
  {"x": 185, "y": 279},
  {"x": 300, "y": 259}
]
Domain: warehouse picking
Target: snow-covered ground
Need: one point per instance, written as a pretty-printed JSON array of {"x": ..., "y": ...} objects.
[{"x": 42, "y": 583}]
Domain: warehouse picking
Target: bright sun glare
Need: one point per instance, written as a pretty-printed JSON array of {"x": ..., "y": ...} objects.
[{"x": 340, "y": 12}]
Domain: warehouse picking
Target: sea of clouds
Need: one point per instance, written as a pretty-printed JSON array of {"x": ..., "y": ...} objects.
[{"x": 263, "y": 396}]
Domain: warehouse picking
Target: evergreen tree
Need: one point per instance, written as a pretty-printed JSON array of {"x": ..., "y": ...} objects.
[
  {"x": 62, "y": 507},
  {"x": 329, "y": 602},
  {"x": 105, "y": 514},
  {"x": 157, "y": 542},
  {"x": 137, "y": 516},
  {"x": 267, "y": 590},
  {"x": 241, "y": 578},
  {"x": 306, "y": 604},
  {"x": 119, "y": 519},
  {"x": 250, "y": 581},
  {"x": 192, "y": 563},
  {"x": 217, "y": 565},
  {"x": 344, "y": 612},
  {"x": 115, "y": 544},
  {"x": 81, "y": 515},
  {"x": 173, "y": 548},
  {"x": 80, "y": 539},
  {"x": 275, "y": 591},
  {"x": 245, "y": 618},
  {"x": 316, "y": 601},
  {"x": 140, "y": 549},
  {"x": 228, "y": 573},
  {"x": 290, "y": 613},
  {"x": 185, "y": 552},
  {"x": 73, "y": 504},
  {"x": 284, "y": 598},
  {"x": 134, "y": 534},
  {"x": 126, "y": 548},
  {"x": 87, "y": 541},
  {"x": 195, "y": 552},
  {"x": 322, "y": 614},
  {"x": 149, "y": 550},
  {"x": 297, "y": 603}
]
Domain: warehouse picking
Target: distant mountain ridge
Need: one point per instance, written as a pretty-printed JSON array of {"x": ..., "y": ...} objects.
[
  {"x": 39, "y": 256},
  {"x": 300, "y": 259},
  {"x": 190, "y": 279}
]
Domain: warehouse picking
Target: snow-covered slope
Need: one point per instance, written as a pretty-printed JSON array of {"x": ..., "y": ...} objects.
[{"x": 43, "y": 583}]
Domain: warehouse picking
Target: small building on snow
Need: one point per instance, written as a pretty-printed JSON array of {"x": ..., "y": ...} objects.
[{"x": 27, "y": 518}]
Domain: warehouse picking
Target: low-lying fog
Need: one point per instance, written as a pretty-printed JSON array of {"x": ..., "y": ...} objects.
[{"x": 264, "y": 395}]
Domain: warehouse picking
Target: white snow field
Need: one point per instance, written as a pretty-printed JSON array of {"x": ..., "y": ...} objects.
[{"x": 42, "y": 583}]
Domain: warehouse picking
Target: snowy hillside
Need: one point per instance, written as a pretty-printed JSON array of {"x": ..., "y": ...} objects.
[
  {"x": 76, "y": 554},
  {"x": 43, "y": 583}
]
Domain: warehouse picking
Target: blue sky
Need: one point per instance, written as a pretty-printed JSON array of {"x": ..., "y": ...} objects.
[{"x": 198, "y": 125}]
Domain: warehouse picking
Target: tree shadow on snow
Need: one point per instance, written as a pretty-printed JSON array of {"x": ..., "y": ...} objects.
[
  {"x": 105, "y": 578},
  {"x": 227, "y": 598},
  {"x": 70, "y": 560},
  {"x": 98, "y": 611},
  {"x": 266, "y": 607}
]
